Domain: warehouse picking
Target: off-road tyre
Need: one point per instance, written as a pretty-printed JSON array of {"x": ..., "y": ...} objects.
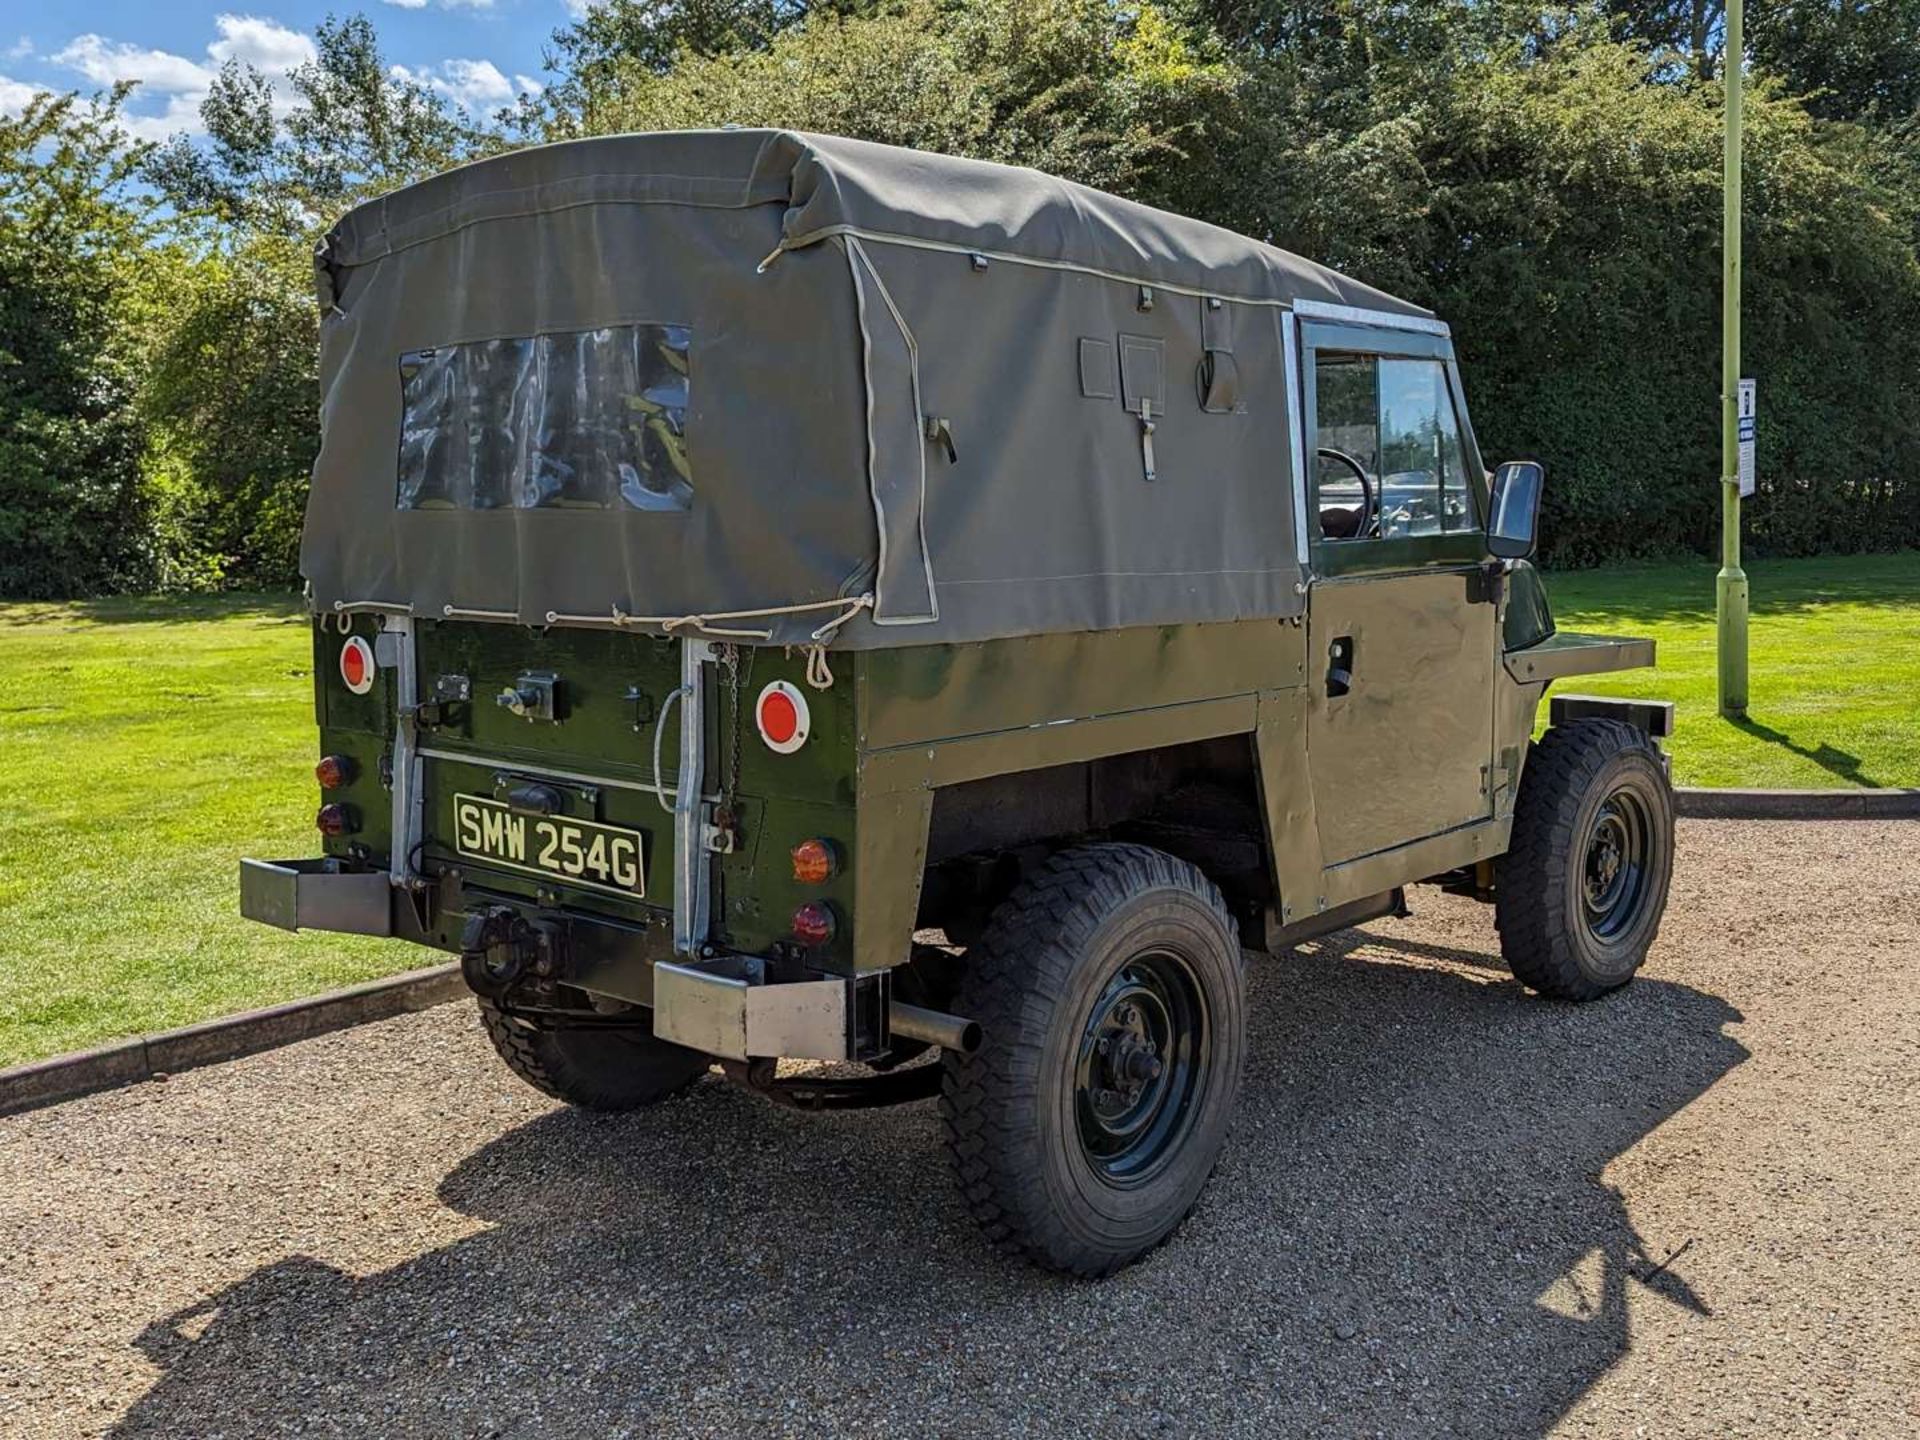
[
  {"x": 1558, "y": 931},
  {"x": 597, "y": 1068},
  {"x": 1077, "y": 943}
]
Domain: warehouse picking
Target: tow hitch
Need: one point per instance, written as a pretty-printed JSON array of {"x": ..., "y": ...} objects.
[{"x": 500, "y": 948}]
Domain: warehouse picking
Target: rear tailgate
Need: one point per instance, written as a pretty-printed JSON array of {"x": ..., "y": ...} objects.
[{"x": 537, "y": 763}]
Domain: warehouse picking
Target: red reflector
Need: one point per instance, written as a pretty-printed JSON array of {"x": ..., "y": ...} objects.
[
  {"x": 781, "y": 714},
  {"x": 333, "y": 772},
  {"x": 813, "y": 923},
  {"x": 356, "y": 665},
  {"x": 334, "y": 820},
  {"x": 779, "y": 721}
]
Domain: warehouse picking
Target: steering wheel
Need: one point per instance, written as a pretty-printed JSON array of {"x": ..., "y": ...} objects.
[{"x": 1369, "y": 500}]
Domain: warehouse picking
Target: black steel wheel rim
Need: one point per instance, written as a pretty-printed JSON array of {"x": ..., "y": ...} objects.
[
  {"x": 1615, "y": 865},
  {"x": 1140, "y": 1068}
]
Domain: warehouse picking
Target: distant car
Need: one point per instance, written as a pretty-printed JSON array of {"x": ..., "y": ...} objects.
[{"x": 737, "y": 554}]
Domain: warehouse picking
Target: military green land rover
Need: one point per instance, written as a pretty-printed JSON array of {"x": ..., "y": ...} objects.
[{"x": 782, "y": 597}]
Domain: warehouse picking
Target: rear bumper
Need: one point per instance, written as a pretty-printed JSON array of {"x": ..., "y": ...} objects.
[
  {"x": 316, "y": 894},
  {"x": 726, "y": 1007}
]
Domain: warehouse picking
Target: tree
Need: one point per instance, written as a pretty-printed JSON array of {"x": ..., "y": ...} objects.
[
  {"x": 230, "y": 397},
  {"x": 1851, "y": 59},
  {"x": 73, "y": 240},
  {"x": 232, "y": 389},
  {"x": 355, "y": 128},
  {"x": 1072, "y": 86}
]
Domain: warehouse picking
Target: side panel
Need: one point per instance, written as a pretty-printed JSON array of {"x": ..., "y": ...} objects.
[
  {"x": 942, "y": 715},
  {"x": 888, "y": 865},
  {"x": 1293, "y": 836},
  {"x": 943, "y": 692}
]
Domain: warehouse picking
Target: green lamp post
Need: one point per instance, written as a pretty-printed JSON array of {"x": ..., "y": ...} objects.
[{"x": 1730, "y": 589}]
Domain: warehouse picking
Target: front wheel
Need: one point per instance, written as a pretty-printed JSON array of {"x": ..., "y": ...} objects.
[
  {"x": 1579, "y": 895},
  {"x": 1110, "y": 991}
]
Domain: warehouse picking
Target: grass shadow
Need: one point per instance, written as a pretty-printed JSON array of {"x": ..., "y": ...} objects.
[
  {"x": 159, "y": 609},
  {"x": 1684, "y": 593}
]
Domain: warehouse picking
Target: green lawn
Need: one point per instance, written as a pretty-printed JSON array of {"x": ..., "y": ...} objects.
[
  {"x": 146, "y": 745},
  {"x": 1834, "y": 695}
]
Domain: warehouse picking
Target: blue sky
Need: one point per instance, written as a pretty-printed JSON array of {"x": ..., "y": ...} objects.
[{"x": 479, "y": 52}]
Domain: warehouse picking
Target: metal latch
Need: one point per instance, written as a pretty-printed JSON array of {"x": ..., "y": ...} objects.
[
  {"x": 448, "y": 691},
  {"x": 535, "y": 695}
]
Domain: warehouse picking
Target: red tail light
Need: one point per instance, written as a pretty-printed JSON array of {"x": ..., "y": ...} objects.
[
  {"x": 334, "y": 771},
  {"x": 335, "y": 820},
  {"x": 813, "y": 923}
]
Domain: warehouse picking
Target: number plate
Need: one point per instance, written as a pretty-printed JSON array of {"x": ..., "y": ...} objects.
[{"x": 578, "y": 852}]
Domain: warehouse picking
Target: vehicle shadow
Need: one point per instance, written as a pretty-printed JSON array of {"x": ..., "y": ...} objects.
[{"x": 1410, "y": 1233}]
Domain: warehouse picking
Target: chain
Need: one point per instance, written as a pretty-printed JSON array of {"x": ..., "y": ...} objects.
[{"x": 735, "y": 682}]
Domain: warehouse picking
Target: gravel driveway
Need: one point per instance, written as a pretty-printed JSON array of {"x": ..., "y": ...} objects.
[{"x": 1444, "y": 1212}]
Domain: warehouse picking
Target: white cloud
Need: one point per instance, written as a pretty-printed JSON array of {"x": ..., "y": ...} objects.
[
  {"x": 180, "y": 83},
  {"x": 21, "y": 48},
  {"x": 106, "y": 62},
  {"x": 445, "y": 4},
  {"x": 16, "y": 95},
  {"x": 267, "y": 45},
  {"x": 476, "y": 85}
]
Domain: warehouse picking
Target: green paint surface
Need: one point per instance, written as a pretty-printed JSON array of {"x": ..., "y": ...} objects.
[
  {"x": 1835, "y": 655},
  {"x": 145, "y": 746}
]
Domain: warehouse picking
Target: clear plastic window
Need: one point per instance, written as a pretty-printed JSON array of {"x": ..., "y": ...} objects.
[{"x": 584, "y": 420}]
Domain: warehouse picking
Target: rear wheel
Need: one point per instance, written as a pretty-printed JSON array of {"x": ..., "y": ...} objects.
[
  {"x": 597, "y": 1068},
  {"x": 1110, "y": 991},
  {"x": 1579, "y": 895}
]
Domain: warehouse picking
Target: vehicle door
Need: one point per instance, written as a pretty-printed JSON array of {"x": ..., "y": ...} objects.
[{"x": 1403, "y": 621}]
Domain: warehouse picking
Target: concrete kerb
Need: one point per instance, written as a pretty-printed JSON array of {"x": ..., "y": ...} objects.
[
  {"x": 1693, "y": 804},
  {"x": 67, "y": 1077}
]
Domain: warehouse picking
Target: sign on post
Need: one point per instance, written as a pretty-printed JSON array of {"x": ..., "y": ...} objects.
[{"x": 1745, "y": 435}]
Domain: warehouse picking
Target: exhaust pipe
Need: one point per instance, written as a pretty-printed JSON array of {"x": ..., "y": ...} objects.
[{"x": 934, "y": 1027}]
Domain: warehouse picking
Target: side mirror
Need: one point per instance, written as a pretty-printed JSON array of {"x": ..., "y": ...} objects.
[{"x": 1516, "y": 508}]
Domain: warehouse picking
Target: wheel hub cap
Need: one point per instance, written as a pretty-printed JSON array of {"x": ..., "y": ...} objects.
[
  {"x": 1613, "y": 872},
  {"x": 1140, "y": 1066}
]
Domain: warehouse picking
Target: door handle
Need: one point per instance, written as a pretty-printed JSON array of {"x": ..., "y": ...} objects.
[{"x": 1340, "y": 666}]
